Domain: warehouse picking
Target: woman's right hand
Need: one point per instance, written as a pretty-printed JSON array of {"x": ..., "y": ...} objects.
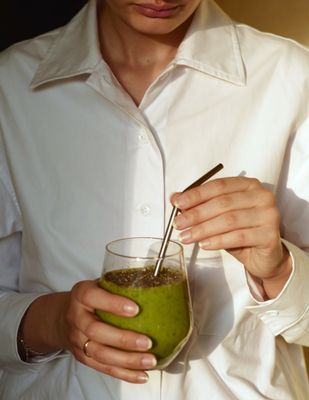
[{"x": 68, "y": 320}]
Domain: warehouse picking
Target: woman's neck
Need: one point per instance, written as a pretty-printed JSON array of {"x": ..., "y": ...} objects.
[{"x": 135, "y": 58}]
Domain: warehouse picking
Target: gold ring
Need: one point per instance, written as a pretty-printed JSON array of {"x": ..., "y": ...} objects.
[{"x": 85, "y": 347}]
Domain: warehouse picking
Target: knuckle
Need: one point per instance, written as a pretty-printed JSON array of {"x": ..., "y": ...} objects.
[
  {"x": 196, "y": 195},
  {"x": 108, "y": 369},
  {"x": 194, "y": 215},
  {"x": 123, "y": 340},
  {"x": 253, "y": 182},
  {"x": 224, "y": 202},
  {"x": 132, "y": 362},
  {"x": 267, "y": 197},
  {"x": 230, "y": 220},
  {"x": 86, "y": 297},
  {"x": 115, "y": 372},
  {"x": 241, "y": 238},
  {"x": 198, "y": 232},
  {"x": 78, "y": 288},
  {"x": 80, "y": 292},
  {"x": 102, "y": 354},
  {"x": 91, "y": 330},
  {"x": 220, "y": 185}
]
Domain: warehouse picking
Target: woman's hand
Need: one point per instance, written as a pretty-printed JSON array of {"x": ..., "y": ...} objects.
[
  {"x": 239, "y": 215},
  {"x": 68, "y": 321}
]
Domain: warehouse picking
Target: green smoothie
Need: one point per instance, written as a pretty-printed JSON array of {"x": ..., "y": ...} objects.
[{"x": 164, "y": 315}]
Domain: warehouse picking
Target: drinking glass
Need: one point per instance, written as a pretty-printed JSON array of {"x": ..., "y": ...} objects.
[{"x": 164, "y": 302}]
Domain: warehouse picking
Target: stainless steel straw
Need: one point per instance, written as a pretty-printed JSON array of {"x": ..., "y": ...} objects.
[{"x": 175, "y": 210}]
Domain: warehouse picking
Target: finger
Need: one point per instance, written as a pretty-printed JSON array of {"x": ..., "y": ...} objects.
[
  {"x": 260, "y": 237},
  {"x": 124, "y": 359},
  {"x": 215, "y": 207},
  {"x": 110, "y": 355},
  {"x": 231, "y": 221},
  {"x": 131, "y": 376},
  {"x": 90, "y": 295},
  {"x": 85, "y": 324},
  {"x": 101, "y": 332},
  {"x": 214, "y": 188},
  {"x": 174, "y": 196}
]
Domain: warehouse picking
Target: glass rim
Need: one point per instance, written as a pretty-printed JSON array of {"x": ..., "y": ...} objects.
[{"x": 178, "y": 244}]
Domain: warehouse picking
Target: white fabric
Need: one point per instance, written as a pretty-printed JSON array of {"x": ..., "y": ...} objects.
[{"x": 81, "y": 165}]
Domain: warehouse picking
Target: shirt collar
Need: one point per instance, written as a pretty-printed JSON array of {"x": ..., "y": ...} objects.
[
  {"x": 73, "y": 52},
  {"x": 214, "y": 50}
]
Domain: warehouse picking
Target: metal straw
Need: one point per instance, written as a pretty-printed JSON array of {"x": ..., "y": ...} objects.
[{"x": 175, "y": 210}]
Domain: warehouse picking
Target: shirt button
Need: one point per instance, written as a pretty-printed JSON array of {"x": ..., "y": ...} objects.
[
  {"x": 143, "y": 138},
  {"x": 145, "y": 210}
]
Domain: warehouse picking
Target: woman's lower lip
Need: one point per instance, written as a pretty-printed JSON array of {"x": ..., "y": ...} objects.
[{"x": 156, "y": 13}]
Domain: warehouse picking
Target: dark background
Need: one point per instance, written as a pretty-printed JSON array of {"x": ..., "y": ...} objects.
[{"x": 23, "y": 19}]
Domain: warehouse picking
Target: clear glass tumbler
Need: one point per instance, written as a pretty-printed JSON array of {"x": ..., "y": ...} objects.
[{"x": 164, "y": 300}]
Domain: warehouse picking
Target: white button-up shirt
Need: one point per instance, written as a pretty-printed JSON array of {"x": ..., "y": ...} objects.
[{"x": 81, "y": 164}]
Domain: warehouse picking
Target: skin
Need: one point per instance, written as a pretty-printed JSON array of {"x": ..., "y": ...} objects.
[
  {"x": 236, "y": 214},
  {"x": 138, "y": 48},
  {"x": 71, "y": 320},
  {"x": 239, "y": 215}
]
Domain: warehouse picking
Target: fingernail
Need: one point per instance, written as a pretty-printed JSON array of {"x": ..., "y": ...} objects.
[
  {"x": 204, "y": 244},
  {"x": 143, "y": 343},
  {"x": 142, "y": 378},
  {"x": 130, "y": 309},
  {"x": 179, "y": 222},
  {"x": 180, "y": 202},
  {"x": 149, "y": 362},
  {"x": 185, "y": 236}
]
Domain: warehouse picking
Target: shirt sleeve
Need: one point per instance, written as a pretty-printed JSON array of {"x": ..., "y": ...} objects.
[
  {"x": 288, "y": 314},
  {"x": 12, "y": 303}
]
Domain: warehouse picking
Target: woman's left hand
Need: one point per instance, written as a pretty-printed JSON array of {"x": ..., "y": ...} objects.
[{"x": 239, "y": 215}]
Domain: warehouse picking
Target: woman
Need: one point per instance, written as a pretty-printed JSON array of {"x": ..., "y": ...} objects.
[{"x": 127, "y": 104}]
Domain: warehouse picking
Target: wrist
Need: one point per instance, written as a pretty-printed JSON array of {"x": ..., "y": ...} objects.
[
  {"x": 38, "y": 332},
  {"x": 25, "y": 352},
  {"x": 273, "y": 285}
]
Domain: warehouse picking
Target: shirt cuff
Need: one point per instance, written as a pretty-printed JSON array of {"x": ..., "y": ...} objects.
[
  {"x": 291, "y": 305},
  {"x": 18, "y": 304},
  {"x": 42, "y": 359}
]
